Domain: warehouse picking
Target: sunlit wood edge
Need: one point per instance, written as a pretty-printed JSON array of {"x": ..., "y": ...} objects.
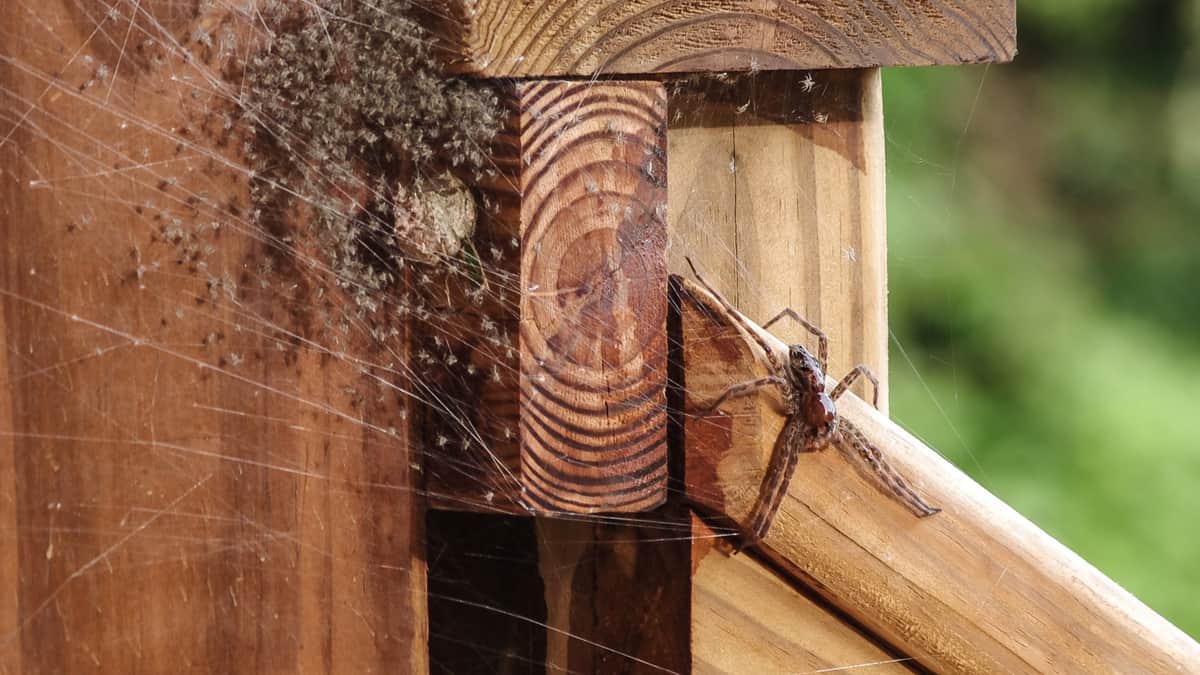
[{"x": 931, "y": 587}]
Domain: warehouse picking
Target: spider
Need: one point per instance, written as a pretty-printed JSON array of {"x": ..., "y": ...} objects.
[{"x": 812, "y": 421}]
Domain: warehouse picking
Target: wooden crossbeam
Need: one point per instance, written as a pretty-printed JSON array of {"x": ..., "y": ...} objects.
[
  {"x": 543, "y": 38},
  {"x": 793, "y": 182}
]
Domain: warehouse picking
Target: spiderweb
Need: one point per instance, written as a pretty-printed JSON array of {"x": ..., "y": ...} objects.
[{"x": 208, "y": 453}]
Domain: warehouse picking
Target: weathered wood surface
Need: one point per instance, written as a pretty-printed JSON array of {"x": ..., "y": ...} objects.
[
  {"x": 575, "y": 419},
  {"x": 541, "y": 38},
  {"x": 777, "y": 190},
  {"x": 974, "y": 589},
  {"x": 193, "y": 477},
  {"x": 777, "y": 194}
]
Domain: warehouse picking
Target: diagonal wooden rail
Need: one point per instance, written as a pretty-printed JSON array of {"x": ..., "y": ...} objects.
[{"x": 975, "y": 589}]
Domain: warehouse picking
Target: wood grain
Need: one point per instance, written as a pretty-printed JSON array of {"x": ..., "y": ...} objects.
[
  {"x": 746, "y": 618},
  {"x": 542, "y": 38},
  {"x": 777, "y": 193},
  {"x": 974, "y": 589},
  {"x": 193, "y": 476},
  {"x": 586, "y": 297}
]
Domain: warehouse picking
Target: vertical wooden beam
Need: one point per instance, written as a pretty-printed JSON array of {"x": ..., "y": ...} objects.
[
  {"x": 916, "y": 583},
  {"x": 974, "y": 589},
  {"x": 10, "y": 568},
  {"x": 777, "y": 193},
  {"x": 194, "y": 476},
  {"x": 617, "y": 594},
  {"x": 574, "y": 419}
]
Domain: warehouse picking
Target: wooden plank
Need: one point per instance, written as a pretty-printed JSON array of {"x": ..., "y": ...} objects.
[
  {"x": 777, "y": 193},
  {"x": 575, "y": 418},
  {"x": 617, "y": 594},
  {"x": 747, "y": 619},
  {"x": 10, "y": 568},
  {"x": 543, "y": 38},
  {"x": 974, "y": 589},
  {"x": 194, "y": 475},
  {"x": 514, "y": 594}
]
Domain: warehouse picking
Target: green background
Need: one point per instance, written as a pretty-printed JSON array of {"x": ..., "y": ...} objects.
[{"x": 1045, "y": 281}]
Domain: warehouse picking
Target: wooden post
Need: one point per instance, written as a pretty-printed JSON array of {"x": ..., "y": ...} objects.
[
  {"x": 584, "y": 193},
  {"x": 777, "y": 194}
]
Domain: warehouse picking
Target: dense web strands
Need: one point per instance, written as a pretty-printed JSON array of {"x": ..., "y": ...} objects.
[
  {"x": 355, "y": 124},
  {"x": 204, "y": 200}
]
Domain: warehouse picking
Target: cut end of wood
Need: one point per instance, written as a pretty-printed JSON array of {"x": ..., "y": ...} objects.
[
  {"x": 550, "y": 38},
  {"x": 574, "y": 417}
]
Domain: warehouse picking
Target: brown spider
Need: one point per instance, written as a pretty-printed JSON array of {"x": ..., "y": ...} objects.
[{"x": 812, "y": 419}]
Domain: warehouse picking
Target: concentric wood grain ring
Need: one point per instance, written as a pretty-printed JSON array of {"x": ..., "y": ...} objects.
[{"x": 593, "y": 289}]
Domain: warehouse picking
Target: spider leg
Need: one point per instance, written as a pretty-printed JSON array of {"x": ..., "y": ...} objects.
[
  {"x": 788, "y": 447},
  {"x": 822, "y": 339},
  {"x": 741, "y": 389},
  {"x": 871, "y": 462},
  {"x": 737, "y": 319},
  {"x": 849, "y": 379}
]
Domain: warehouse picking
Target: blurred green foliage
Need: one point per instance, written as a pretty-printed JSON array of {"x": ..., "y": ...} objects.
[{"x": 1044, "y": 224}]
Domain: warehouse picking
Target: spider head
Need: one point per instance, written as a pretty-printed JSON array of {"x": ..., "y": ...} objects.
[{"x": 805, "y": 367}]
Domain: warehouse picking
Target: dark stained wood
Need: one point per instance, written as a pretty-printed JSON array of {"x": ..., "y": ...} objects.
[
  {"x": 777, "y": 194},
  {"x": 544, "y": 38},
  {"x": 568, "y": 392},
  {"x": 194, "y": 475},
  {"x": 618, "y": 595},
  {"x": 538, "y": 595},
  {"x": 974, "y": 589},
  {"x": 487, "y": 601}
]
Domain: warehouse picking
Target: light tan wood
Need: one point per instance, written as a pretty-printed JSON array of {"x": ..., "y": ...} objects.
[
  {"x": 974, "y": 589},
  {"x": 616, "y": 594},
  {"x": 580, "y": 398},
  {"x": 500, "y": 38},
  {"x": 747, "y": 619},
  {"x": 777, "y": 194},
  {"x": 194, "y": 476}
]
